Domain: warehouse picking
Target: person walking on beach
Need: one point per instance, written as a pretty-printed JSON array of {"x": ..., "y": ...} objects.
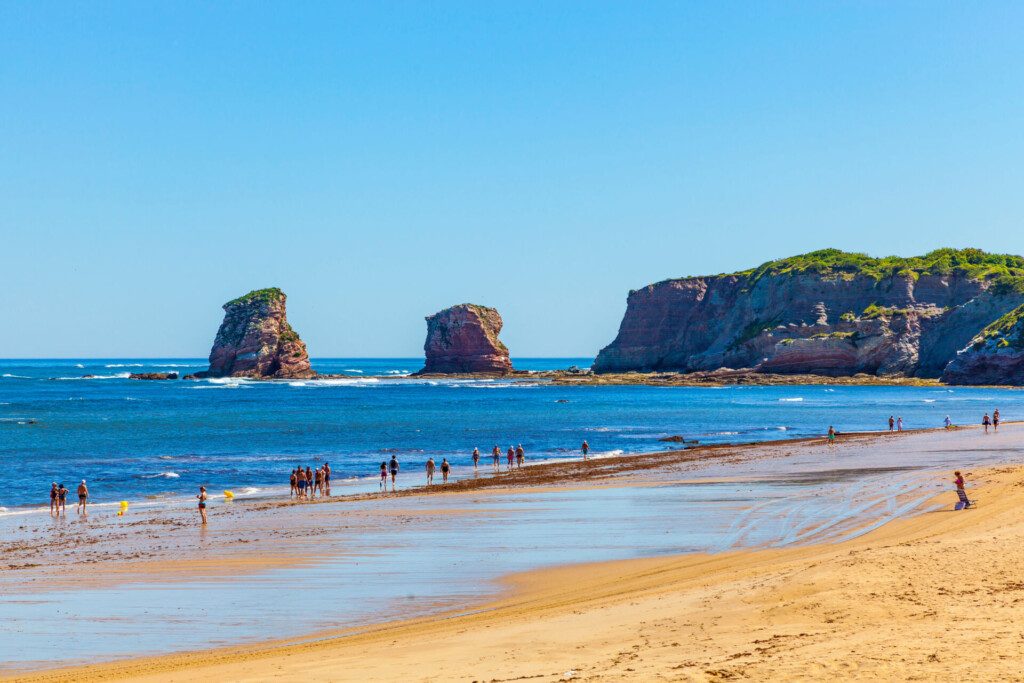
[
  {"x": 831, "y": 436},
  {"x": 899, "y": 424},
  {"x": 293, "y": 485},
  {"x": 202, "y": 503},
  {"x": 986, "y": 421},
  {"x": 445, "y": 470},
  {"x": 62, "y": 500},
  {"x": 83, "y": 497},
  {"x": 300, "y": 483},
  {"x": 961, "y": 493},
  {"x": 496, "y": 457},
  {"x": 383, "y": 476},
  {"x": 327, "y": 478},
  {"x": 892, "y": 424},
  {"x": 520, "y": 455},
  {"x": 53, "y": 498},
  {"x": 430, "y": 471},
  {"x": 393, "y": 466},
  {"x": 476, "y": 457},
  {"x": 995, "y": 420},
  {"x": 585, "y": 448},
  {"x": 511, "y": 456}
]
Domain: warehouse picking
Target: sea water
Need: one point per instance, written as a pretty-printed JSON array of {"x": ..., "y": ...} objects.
[{"x": 155, "y": 440}]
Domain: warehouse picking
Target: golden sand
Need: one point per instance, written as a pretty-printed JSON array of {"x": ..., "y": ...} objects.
[{"x": 939, "y": 596}]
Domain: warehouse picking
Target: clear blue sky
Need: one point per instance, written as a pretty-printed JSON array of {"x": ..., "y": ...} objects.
[{"x": 380, "y": 161}]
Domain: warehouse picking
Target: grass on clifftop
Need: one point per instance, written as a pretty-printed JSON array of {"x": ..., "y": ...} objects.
[
  {"x": 268, "y": 294},
  {"x": 1006, "y": 270},
  {"x": 1008, "y": 329}
]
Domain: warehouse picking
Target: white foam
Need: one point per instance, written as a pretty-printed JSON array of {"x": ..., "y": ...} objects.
[
  {"x": 929, "y": 400},
  {"x": 358, "y": 372},
  {"x": 402, "y": 373},
  {"x": 338, "y": 382},
  {"x": 123, "y": 365},
  {"x": 790, "y": 400},
  {"x": 9, "y": 375},
  {"x": 161, "y": 475},
  {"x": 79, "y": 365},
  {"x": 120, "y": 375}
]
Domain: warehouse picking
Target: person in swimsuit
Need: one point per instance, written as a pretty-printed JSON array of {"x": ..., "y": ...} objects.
[
  {"x": 899, "y": 423},
  {"x": 961, "y": 493},
  {"x": 476, "y": 457},
  {"x": 319, "y": 480},
  {"x": 995, "y": 420},
  {"x": 496, "y": 457},
  {"x": 83, "y": 497},
  {"x": 327, "y": 478},
  {"x": 520, "y": 455},
  {"x": 309, "y": 481},
  {"x": 892, "y": 424},
  {"x": 510, "y": 454},
  {"x": 202, "y": 503},
  {"x": 430, "y": 471},
  {"x": 986, "y": 421},
  {"x": 300, "y": 481},
  {"x": 586, "y": 449},
  {"x": 445, "y": 469},
  {"x": 62, "y": 499},
  {"x": 293, "y": 489},
  {"x": 383, "y": 476},
  {"x": 393, "y": 466},
  {"x": 53, "y": 498},
  {"x": 831, "y": 436}
]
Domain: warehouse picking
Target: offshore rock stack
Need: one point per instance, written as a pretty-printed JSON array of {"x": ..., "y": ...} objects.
[{"x": 463, "y": 339}]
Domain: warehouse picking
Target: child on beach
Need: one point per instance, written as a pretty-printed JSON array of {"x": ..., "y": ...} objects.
[
  {"x": 430, "y": 471},
  {"x": 202, "y": 503},
  {"x": 961, "y": 493},
  {"x": 445, "y": 469}
]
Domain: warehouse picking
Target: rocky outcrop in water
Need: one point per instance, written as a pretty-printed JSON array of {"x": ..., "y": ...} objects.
[
  {"x": 463, "y": 339},
  {"x": 153, "y": 375},
  {"x": 256, "y": 341},
  {"x": 996, "y": 356},
  {"x": 827, "y": 313}
]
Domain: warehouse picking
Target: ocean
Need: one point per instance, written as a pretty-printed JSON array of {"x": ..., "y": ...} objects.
[{"x": 159, "y": 440}]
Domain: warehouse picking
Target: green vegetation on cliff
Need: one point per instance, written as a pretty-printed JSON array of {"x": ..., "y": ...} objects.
[
  {"x": 1006, "y": 270},
  {"x": 1009, "y": 330},
  {"x": 268, "y": 294}
]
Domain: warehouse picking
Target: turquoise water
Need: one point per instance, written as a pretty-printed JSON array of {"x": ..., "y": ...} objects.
[{"x": 154, "y": 440}]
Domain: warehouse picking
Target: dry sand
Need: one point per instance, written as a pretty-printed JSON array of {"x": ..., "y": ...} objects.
[{"x": 933, "y": 597}]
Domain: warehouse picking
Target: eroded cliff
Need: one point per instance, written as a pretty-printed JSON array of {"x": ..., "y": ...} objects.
[
  {"x": 995, "y": 356},
  {"x": 463, "y": 339}
]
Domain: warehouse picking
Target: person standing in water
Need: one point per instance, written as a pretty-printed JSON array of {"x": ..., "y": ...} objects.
[
  {"x": 986, "y": 421},
  {"x": 511, "y": 456},
  {"x": 430, "y": 471},
  {"x": 62, "y": 500},
  {"x": 520, "y": 455},
  {"x": 892, "y": 424},
  {"x": 995, "y": 420},
  {"x": 476, "y": 457},
  {"x": 327, "y": 478},
  {"x": 445, "y": 469},
  {"x": 831, "y": 436},
  {"x": 585, "y": 448},
  {"x": 393, "y": 466},
  {"x": 309, "y": 481},
  {"x": 53, "y": 498},
  {"x": 899, "y": 423},
  {"x": 496, "y": 457},
  {"x": 83, "y": 497},
  {"x": 202, "y": 503},
  {"x": 293, "y": 485},
  {"x": 383, "y": 476}
]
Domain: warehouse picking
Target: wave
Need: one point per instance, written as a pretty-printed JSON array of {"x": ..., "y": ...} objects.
[
  {"x": 8, "y": 375},
  {"x": 790, "y": 400},
  {"x": 358, "y": 372},
  {"x": 120, "y": 375},
  {"x": 929, "y": 400},
  {"x": 176, "y": 365},
  {"x": 403, "y": 373},
  {"x": 160, "y": 475},
  {"x": 123, "y": 365},
  {"x": 79, "y": 365},
  {"x": 338, "y": 382}
]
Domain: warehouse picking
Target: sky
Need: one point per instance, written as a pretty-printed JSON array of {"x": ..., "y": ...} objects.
[{"x": 382, "y": 161}]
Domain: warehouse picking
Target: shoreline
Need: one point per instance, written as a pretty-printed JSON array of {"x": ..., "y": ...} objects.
[{"x": 609, "y": 620}]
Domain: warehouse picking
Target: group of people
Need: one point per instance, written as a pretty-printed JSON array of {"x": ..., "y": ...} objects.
[
  {"x": 991, "y": 421},
  {"x": 59, "y": 496},
  {"x": 307, "y": 483},
  {"x": 895, "y": 425}
]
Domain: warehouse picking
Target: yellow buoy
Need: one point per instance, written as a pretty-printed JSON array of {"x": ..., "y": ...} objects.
[{"x": 229, "y": 495}]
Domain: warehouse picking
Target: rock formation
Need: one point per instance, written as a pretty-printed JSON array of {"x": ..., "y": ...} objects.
[
  {"x": 153, "y": 375},
  {"x": 827, "y": 312},
  {"x": 996, "y": 356},
  {"x": 255, "y": 340},
  {"x": 464, "y": 339}
]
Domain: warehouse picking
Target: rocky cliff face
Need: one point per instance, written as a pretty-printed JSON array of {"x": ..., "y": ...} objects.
[
  {"x": 827, "y": 313},
  {"x": 996, "y": 356},
  {"x": 255, "y": 340},
  {"x": 464, "y": 339}
]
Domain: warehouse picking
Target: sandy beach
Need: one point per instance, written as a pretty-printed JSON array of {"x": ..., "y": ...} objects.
[{"x": 928, "y": 596}]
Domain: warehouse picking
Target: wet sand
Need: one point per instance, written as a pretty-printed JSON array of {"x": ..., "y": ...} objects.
[{"x": 733, "y": 614}]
